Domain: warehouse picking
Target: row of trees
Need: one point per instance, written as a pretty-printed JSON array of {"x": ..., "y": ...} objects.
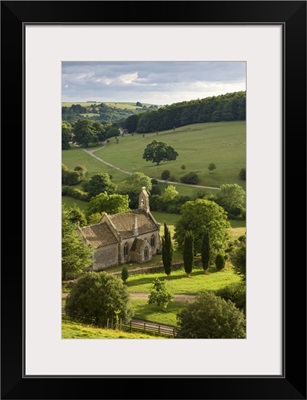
[{"x": 228, "y": 107}]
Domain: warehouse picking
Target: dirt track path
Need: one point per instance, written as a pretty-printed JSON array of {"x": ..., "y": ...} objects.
[{"x": 144, "y": 296}]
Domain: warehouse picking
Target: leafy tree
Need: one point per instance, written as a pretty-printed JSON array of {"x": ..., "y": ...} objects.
[
  {"x": 100, "y": 183},
  {"x": 159, "y": 151},
  {"x": 109, "y": 203},
  {"x": 136, "y": 181},
  {"x": 191, "y": 178},
  {"x": 211, "y": 317},
  {"x": 238, "y": 257},
  {"x": 84, "y": 132},
  {"x": 200, "y": 215},
  {"x": 170, "y": 193},
  {"x": 100, "y": 130},
  {"x": 133, "y": 185},
  {"x": 188, "y": 252},
  {"x": 232, "y": 198},
  {"x": 112, "y": 132},
  {"x": 211, "y": 167},
  {"x": 66, "y": 135},
  {"x": 131, "y": 123},
  {"x": 219, "y": 261},
  {"x": 159, "y": 294},
  {"x": 205, "y": 251},
  {"x": 167, "y": 250},
  {"x": 165, "y": 174},
  {"x": 242, "y": 174},
  {"x": 97, "y": 298},
  {"x": 125, "y": 273},
  {"x": 76, "y": 254},
  {"x": 76, "y": 216}
]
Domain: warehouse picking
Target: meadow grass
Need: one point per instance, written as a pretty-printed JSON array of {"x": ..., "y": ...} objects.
[
  {"x": 223, "y": 143},
  {"x": 179, "y": 283},
  {"x": 76, "y": 156},
  {"x": 75, "y": 330},
  {"x": 70, "y": 202},
  {"x": 152, "y": 313}
]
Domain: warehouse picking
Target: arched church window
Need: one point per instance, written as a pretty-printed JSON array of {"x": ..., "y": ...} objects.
[
  {"x": 126, "y": 249},
  {"x": 146, "y": 253},
  {"x": 153, "y": 241}
]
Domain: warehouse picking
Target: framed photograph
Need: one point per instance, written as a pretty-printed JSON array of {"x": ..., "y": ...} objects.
[{"x": 103, "y": 63}]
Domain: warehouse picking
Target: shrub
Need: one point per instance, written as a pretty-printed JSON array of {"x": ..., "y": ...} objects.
[
  {"x": 191, "y": 178},
  {"x": 72, "y": 178},
  {"x": 219, "y": 261},
  {"x": 124, "y": 274},
  {"x": 97, "y": 298},
  {"x": 211, "y": 317},
  {"x": 165, "y": 174},
  {"x": 159, "y": 295},
  {"x": 235, "y": 293},
  {"x": 183, "y": 167},
  {"x": 76, "y": 193}
]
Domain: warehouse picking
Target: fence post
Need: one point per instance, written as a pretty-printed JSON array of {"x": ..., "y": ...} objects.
[
  {"x": 130, "y": 326},
  {"x": 107, "y": 323},
  {"x": 144, "y": 326},
  {"x": 159, "y": 329}
]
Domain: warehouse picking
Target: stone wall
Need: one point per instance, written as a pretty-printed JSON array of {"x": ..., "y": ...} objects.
[{"x": 106, "y": 257}]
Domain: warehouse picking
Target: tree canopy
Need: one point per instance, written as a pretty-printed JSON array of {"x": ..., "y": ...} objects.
[
  {"x": 199, "y": 216},
  {"x": 97, "y": 297},
  {"x": 232, "y": 198},
  {"x": 159, "y": 151},
  {"x": 109, "y": 203},
  {"x": 76, "y": 254},
  {"x": 211, "y": 317},
  {"x": 84, "y": 132},
  {"x": 100, "y": 183},
  {"x": 227, "y": 107}
]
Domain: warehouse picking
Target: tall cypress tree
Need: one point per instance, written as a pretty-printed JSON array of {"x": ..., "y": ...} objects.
[
  {"x": 167, "y": 251},
  {"x": 188, "y": 252},
  {"x": 205, "y": 251}
]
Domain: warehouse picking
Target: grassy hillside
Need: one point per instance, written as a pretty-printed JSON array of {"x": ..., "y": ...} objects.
[
  {"x": 223, "y": 143},
  {"x": 73, "y": 330}
]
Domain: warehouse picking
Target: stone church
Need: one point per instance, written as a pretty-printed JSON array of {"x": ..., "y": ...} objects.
[{"x": 121, "y": 238}]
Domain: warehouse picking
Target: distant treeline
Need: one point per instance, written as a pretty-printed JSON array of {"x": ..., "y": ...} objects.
[
  {"x": 101, "y": 112},
  {"x": 228, "y": 107}
]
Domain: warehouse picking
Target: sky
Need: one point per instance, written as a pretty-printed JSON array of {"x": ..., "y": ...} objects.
[{"x": 158, "y": 83}]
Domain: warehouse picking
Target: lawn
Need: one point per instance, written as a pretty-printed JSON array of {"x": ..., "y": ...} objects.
[
  {"x": 71, "y": 202},
  {"x": 197, "y": 145},
  {"x": 179, "y": 283},
  {"x": 151, "y": 312}
]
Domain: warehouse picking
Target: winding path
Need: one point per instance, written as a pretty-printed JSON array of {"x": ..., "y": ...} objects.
[
  {"x": 91, "y": 153},
  {"x": 144, "y": 296}
]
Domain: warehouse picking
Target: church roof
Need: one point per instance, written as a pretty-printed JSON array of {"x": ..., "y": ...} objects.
[
  {"x": 124, "y": 223},
  {"x": 99, "y": 235},
  {"x": 137, "y": 244}
]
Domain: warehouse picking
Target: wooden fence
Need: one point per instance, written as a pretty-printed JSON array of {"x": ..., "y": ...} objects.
[{"x": 144, "y": 327}]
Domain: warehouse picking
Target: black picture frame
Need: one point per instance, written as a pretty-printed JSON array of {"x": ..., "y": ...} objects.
[{"x": 292, "y": 16}]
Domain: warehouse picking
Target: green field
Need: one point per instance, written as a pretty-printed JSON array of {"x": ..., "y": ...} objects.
[
  {"x": 222, "y": 143},
  {"x": 179, "y": 283},
  {"x": 150, "y": 312}
]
